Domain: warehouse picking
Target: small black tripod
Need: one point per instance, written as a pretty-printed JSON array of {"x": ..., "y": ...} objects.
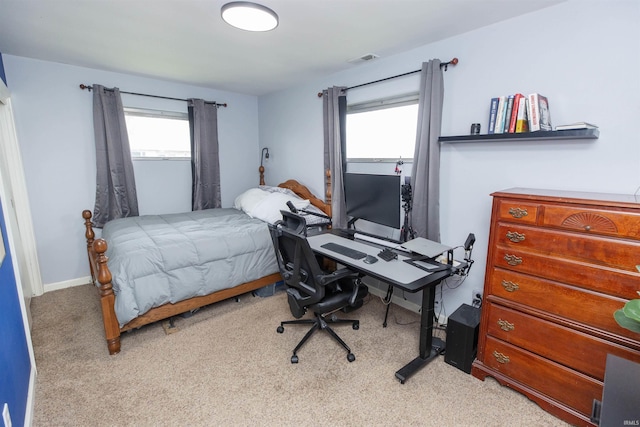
[{"x": 406, "y": 233}]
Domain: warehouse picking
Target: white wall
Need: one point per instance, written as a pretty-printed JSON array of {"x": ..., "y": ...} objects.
[
  {"x": 583, "y": 55},
  {"x": 54, "y": 123}
]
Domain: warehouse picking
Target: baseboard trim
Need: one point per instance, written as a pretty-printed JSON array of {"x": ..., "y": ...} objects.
[
  {"x": 395, "y": 299},
  {"x": 28, "y": 416},
  {"x": 67, "y": 284}
]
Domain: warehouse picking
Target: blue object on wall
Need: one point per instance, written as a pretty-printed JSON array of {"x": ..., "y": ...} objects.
[
  {"x": 2, "y": 75},
  {"x": 15, "y": 362}
]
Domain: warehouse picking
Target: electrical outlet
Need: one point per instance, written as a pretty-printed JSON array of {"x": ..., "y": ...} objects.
[{"x": 476, "y": 296}]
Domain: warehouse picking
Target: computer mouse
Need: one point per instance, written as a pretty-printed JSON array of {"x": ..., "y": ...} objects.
[{"x": 370, "y": 259}]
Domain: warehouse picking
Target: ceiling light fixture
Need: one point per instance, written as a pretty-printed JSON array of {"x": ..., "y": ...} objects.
[{"x": 249, "y": 16}]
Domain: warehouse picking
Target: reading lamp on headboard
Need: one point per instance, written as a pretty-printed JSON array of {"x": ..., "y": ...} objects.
[{"x": 263, "y": 155}]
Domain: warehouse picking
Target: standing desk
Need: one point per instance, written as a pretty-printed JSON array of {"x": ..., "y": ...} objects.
[{"x": 399, "y": 274}]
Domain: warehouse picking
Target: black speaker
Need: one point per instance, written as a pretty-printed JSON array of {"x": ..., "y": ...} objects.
[{"x": 462, "y": 337}]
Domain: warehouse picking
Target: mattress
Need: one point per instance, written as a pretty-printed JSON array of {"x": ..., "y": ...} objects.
[{"x": 159, "y": 259}]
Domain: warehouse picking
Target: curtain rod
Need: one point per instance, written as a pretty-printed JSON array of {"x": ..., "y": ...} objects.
[
  {"x": 89, "y": 88},
  {"x": 454, "y": 61}
]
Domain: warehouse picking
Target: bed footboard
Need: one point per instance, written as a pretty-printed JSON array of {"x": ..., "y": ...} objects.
[
  {"x": 107, "y": 298},
  {"x": 100, "y": 272}
]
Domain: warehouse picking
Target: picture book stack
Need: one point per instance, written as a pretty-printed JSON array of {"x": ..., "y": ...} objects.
[{"x": 519, "y": 113}]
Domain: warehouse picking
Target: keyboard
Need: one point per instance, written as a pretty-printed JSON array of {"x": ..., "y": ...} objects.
[
  {"x": 343, "y": 250},
  {"x": 387, "y": 254}
]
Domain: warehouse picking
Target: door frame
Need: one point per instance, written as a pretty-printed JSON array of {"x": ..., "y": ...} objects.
[{"x": 13, "y": 172}]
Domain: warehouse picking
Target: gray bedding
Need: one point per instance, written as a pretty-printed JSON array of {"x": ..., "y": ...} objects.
[{"x": 156, "y": 259}]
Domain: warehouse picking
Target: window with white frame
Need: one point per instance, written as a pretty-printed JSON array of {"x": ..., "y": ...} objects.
[
  {"x": 155, "y": 134},
  {"x": 382, "y": 130}
]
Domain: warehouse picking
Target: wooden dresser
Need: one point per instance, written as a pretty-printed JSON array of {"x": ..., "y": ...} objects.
[{"x": 559, "y": 264}]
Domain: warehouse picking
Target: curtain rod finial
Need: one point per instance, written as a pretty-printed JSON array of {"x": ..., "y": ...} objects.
[{"x": 454, "y": 61}]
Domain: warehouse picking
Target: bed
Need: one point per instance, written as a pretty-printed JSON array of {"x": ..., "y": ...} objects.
[{"x": 155, "y": 267}]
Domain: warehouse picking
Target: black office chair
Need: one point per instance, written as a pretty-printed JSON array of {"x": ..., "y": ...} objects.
[{"x": 311, "y": 288}]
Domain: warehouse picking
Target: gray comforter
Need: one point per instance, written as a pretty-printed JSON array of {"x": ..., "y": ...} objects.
[{"x": 156, "y": 259}]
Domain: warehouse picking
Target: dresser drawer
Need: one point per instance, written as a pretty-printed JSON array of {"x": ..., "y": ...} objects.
[
  {"x": 618, "y": 253},
  {"x": 615, "y": 282},
  {"x": 592, "y": 309},
  {"x": 517, "y": 211},
  {"x": 551, "y": 379},
  {"x": 592, "y": 221},
  {"x": 574, "y": 349}
]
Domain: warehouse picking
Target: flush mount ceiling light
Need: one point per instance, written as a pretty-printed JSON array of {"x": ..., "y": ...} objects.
[{"x": 249, "y": 16}]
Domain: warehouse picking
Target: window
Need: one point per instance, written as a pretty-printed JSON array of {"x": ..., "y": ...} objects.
[
  {"x": 382, "y": 130},
  {"x": 157, "y": 134}
]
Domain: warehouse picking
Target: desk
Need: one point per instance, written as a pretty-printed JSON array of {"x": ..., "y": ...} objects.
[{"x": 399, "y": 274}]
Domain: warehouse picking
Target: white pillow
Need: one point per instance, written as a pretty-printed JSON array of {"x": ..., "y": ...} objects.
[
  {"x": 268, "y": 209},
  {"x": 277, "y": 190},
  {"x": 247, "y": 200}
]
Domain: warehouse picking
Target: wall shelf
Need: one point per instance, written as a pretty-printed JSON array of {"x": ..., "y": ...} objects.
[{"x": 527, "y": 136}]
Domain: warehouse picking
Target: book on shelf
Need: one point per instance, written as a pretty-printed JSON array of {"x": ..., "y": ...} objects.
[
  {"x": 493, "y": 111},
  {"x": 500, "y": 115},
  {"x": 539, "y": 115},
  {"x": 514, "y": 112},
  {"x": 507, "y": 114},
  {"x": 577, "y": 125},
  {"x": 522, "y": 120}
]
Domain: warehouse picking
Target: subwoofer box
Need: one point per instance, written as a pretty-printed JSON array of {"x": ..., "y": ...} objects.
[{"x": 462, "y": 337}]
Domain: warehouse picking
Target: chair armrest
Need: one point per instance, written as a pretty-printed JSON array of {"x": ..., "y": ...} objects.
[
  {"x": 325, "y": 279},
  {"x": 356, "y": 288},
  {"x": 345, "y": 273}
]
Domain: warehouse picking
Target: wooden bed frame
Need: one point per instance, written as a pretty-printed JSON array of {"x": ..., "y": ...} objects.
[{"x": 96, "y": 249}]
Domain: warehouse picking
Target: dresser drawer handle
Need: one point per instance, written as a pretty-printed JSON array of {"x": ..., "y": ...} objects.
[
  {"x": 510, "y": 286},
  {"x": 515, "y": 237},
  {"x": 501, "y": 358},
  {"x": 512, "y": 259},
  {"x": 587, "y": 228},
  {"x": 518, "y": 212},
  {"x": 506, "y": 326}
]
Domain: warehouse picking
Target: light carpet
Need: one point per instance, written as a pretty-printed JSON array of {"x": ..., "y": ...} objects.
[{"x": 227, "y": 366}]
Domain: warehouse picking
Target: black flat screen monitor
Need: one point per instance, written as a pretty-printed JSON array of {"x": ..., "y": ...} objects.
[{"x": 374, "y": 198}]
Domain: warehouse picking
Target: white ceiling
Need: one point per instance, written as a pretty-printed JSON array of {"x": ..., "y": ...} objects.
[{"x": 187, "y": 41}]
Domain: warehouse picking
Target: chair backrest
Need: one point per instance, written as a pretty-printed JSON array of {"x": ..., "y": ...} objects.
[{"x": 297, "y": 262}]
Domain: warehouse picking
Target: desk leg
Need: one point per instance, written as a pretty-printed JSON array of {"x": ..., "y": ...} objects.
[{"x": 427, "y": 352}]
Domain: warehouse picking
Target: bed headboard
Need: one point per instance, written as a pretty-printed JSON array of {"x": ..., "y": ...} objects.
[{"x": 304, "y": 192}]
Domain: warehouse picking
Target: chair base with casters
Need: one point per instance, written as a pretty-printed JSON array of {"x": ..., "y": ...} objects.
[
  {"x": 320, "y": 323},
  {"x": 309, "y": 287}
]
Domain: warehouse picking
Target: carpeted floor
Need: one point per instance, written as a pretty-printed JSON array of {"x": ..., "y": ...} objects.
[{"x": 227, "y": 366}]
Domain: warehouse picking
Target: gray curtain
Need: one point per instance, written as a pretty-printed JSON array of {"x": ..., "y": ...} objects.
[
  {"x": 425, "y": 174},
  {"x": 115, "y": 183},
  {"x": 334, "y": 116},
  {"x": 205, "y": 163}
]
